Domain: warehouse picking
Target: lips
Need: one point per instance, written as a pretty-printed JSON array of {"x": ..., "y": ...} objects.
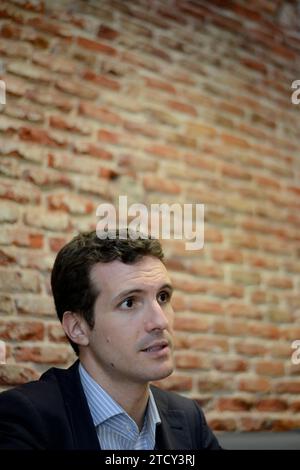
[{"x": 156, "y": 346}]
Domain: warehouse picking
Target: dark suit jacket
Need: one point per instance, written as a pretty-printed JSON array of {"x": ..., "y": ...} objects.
[{"x": 52, "y": 413}]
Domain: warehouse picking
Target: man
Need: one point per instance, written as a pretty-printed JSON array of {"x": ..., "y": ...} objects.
[{"x": 112, "y": 297}]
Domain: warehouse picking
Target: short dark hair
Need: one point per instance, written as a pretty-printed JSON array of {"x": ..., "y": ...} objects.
[{"x": 70, "y": 279}]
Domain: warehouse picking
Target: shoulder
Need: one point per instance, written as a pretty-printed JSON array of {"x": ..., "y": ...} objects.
[
  {"x": 32, "y": 392},
  {"x": 29, "y": 411}
]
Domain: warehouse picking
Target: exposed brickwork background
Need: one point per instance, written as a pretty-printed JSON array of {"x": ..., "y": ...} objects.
[{"x": 163, "y": 101}]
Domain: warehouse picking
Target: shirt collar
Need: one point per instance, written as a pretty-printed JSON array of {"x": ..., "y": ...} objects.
[{"x": 103, "y": 407}]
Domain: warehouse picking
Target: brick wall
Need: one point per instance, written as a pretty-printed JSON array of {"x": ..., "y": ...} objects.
[{"x": 162, "y": 101}]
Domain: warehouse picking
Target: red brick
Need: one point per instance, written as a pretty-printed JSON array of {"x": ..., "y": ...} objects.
[
  {"x": 20, "y": 330},
  {"x": 38, "y": 136},
  {"x": 202, "y": 306},
  {"x": 96, "y": 46},
  {"x": 258, "y": 297},
  {"x": 182, "y": 107},
  {"x": 171, "y": 15},
  {"x": 242, "y": 310},
  {"x": 6, "y": 259},
  {"x": 21, "y": 193},
  {"x": 23, "y": 237},
  {"x": 233, "y": 404},
  {"x": 60, "y": 123},
  {"x": 101, "y": 80},
  {"x": 153, "y": 19},
  {"x": 231, "y": 328},
  {"x": 186, "y": 284},
  {"x": 7, "y": 305},
  {"x": 55, "y": 28},
  {"x": 108, "y": 173},
  {"x": 254, "y": 384},
  {"x": 95, "y": 151},
  {"x": 72, "y": 163},
  {"x": 50, "y": 98},
  {"x": 271, "y": 404},
  {"x": 175, "y": 382},
  {"x": 164, "y": 151},
  {"x": 288, "y": 386},
  {"x": 235, "y": 141},
  {"x": 108, "y": 136},
  {"x": 134, "y": 165},
  {"x": 247, "y": 278},
  {"x": 265, "y": 330},
  {"x": 268, "y": 182},
  {"x": 281, "y": 283},
  {"x": 153, "y": 183},
  {"x": 227, "y": 255},
  {"x": 290, "y": 332},
  {"x": 141, "y": 128},
  {"x": 192, "y": 323},
  {"x": 9, "y": 212},
  {"x": 10, "y": 31},
  {"x": 222, "y": 424},
  {"x": 206, "y": 270},
  {"x": 197, "y": 129},
  {"x": 43, "y": 354},
  {"x": 270, "y": 368},
  {"x": 56, "y": 333},
  {"x": 187, "y": 360},
  {"x": 207, "y": 343},
  {"x": 230, "y": 364},
  {"x": 147, "y": 48},
  {"x": 160, "y": 85},
  {"x": 19, "y": 281},
  {"x": 140, "y": 61},
  {"x": 12, "y": 374},
  {"x": 35, "y": 305},
  {"x": 71, "y": 203},
  {"x": 295, "y": 406},
  {"x": 226, "y": 290},
  {"x": 76, "y": 88},
  {"x": 37, "y": 217},
  {"x": 211, "y": 383},
  {"x": 255, "y": 65},
  {"x": 233, "y": 171},
  {"x": 249, "y": 423},
  {"x": 105, "y": 32},
  {"x": 213, "y": 235},
  {"x": 56, "y": 243},
  {"x": 55, "y": 62},
  {"x": 101, "y": 113}
]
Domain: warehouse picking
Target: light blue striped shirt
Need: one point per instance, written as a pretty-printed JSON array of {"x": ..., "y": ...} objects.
[{"x": 116, "y": 430}]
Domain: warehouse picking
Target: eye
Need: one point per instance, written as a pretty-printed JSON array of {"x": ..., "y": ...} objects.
[
  {"x": 127, "y": 303},
  {"x": 164, "y": 297}
]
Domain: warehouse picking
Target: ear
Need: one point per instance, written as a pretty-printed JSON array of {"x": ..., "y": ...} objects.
[{"x": 76, "y": 328}]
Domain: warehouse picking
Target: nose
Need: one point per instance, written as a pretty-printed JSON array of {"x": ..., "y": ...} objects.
[{"x": 157, "y": 317}]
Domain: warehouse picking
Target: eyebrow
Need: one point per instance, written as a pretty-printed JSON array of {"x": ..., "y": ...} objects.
[{"x": 125, "y": 293}]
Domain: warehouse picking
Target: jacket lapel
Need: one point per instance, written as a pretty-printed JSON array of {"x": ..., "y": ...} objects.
[
  {"x": 173, "y": 432},
  {"x": 83, "y": 429}
]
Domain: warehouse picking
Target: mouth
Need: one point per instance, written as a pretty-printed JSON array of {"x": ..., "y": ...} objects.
[{"x": 158, "y": 348}]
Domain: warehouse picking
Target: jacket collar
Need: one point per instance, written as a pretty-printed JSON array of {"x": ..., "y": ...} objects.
[{"x": 172, "y": 433}]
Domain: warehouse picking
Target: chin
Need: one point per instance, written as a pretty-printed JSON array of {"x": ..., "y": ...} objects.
[{"x": 162, "y": 374}]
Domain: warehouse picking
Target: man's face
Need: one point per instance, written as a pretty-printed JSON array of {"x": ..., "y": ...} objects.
[{"x": 132, "y": 337}]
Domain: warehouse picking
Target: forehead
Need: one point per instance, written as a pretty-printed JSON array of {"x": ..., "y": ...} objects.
[{"x": 116, "y": 276}]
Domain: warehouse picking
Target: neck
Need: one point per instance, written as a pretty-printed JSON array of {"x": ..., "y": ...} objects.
[{"x": 132, "y": 397}]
